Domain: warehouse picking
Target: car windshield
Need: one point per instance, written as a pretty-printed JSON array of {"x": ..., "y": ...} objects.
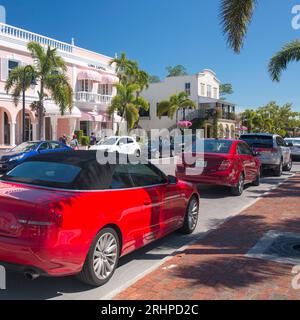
[
  {"x": 43, "y": 173},
  {"x": 258, "y": 141},
  {"x": 25, "y": 147},
  {"x": 215, "y": 146},
  {"x": 108, "y": 141}
]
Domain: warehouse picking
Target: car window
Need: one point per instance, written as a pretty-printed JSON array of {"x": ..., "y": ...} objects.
[
  {"x": 121, "y": 178},
  {"x": 280, "y": 142},
  {"x": 129, "y": 141},
  {"x": 145, "y": 175},
  {"x": 258, "y": 141},
  {"x": 55, "y": 145},
  {"x": 122, "y": 141},
  {"x": 214, "y": 146},
  {"x": 44, "y": 173},
  {"x": 243, "y": 149},
  {"x": 44, "y": 146}
]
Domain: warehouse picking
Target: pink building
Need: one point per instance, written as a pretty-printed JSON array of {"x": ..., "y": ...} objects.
[{"x": 91, "y": 77}]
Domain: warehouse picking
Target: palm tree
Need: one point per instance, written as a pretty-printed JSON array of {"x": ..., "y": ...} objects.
[
  {"x": 174, "y": 104},
  {"x": 50, "y": 71},
  {"x": 236, "y": 15},
  {"x": 248, "y": 119},
  {"x": 290, "y": 52},
  {"x": 127, "y": 104},
  {"x": 126, "y": 69}
]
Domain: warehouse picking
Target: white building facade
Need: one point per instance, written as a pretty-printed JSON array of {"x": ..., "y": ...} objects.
[
  {"x": 204, "y": 89},
  {"x": 90, "y": 75}
]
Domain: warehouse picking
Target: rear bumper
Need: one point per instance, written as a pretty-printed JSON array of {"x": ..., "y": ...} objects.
[
  {"x": 222, "y": 178},
  {"x": 47, "y": 261},
  {"x": 271, "y": 161}
]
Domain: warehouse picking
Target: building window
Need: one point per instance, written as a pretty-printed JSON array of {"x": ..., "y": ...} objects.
[
  {"x": 209, "y": 91},
  {"x": 202, "y": 85},
  {"x": 84, "y": 85},
  {"x": 85, "y": 127},
  {"x": 144, "y": 114},
  {"x": 188, "y": 88},
  {"x": 12, "y": 64},
  {"x": 104, "y": 89},
  {"x": 215, "y": 93}
]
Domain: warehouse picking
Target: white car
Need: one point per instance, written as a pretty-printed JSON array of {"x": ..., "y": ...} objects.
[
  {"x": 295, "y": 149},
  {"x": 122, "y": 144}
]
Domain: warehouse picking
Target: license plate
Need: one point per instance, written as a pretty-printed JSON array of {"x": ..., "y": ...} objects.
[{"x": 201, "y": 164}]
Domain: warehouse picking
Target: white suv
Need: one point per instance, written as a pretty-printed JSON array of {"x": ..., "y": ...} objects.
[
  {"x": 273, "y": 152},
  {"x": 122, "y": 144}
]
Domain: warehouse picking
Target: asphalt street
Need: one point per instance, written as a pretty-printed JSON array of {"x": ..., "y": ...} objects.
[{"x": 216, "y": 206}]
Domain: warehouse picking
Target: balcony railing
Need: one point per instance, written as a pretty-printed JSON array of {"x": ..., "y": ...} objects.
[
  {"x": 28, "y": 36},
  {"x": 93, "y": 97}
]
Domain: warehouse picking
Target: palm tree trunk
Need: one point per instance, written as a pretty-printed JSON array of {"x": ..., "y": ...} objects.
[{"x": 41, "y": 113}]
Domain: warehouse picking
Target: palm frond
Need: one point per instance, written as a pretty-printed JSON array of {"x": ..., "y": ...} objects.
[
  {"x": 235, "y": 16},
  {"x": 132, "y": 115},
  {"x": 290, "y": 52},
  {"x": 162, "y": 108}
]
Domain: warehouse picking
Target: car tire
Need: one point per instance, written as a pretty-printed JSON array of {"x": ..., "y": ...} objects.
[
  {"x": 100, "y": 264},
  {"x": 289, "y": 166},
  {"x": 137, "y": 153},
  {"x": 278, "y": 170},
  {"x": 256, "y": 182},
  {"x": 191, "y": 216},
  {"x": 239, "y": 188}
]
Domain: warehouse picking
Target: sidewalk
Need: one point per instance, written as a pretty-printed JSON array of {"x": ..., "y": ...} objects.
[{"x": 216, "y": 267}]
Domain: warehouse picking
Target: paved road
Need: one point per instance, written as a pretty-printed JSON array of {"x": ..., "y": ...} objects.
[{"x": 216, "y": 206}]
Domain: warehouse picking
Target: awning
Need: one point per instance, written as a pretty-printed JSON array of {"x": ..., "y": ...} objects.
[
  {"x": 53, "y": 110},
  {"x": 97, "y": 77},
  {"x": 94, "y": 117}
]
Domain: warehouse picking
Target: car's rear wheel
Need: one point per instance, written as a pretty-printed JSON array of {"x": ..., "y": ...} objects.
[
  {"x": 289, "y": 166},
  {"x": 239, "y": 188},
  {"x": 278, "y": 170},
  {"x": 191, "y": 217},
  {"x": 102, "y": 258}
]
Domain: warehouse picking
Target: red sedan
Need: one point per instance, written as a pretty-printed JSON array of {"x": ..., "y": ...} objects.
[
  {"x": 65, "y": 214},
  {"x": 228, "y": 163}
]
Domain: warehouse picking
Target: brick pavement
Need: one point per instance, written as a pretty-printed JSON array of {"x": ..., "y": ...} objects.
[{"x": 216, "y": 267}]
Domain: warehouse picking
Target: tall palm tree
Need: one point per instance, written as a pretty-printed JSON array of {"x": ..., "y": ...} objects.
[
  {"x": 50, "y": 72},
  {"x": 176, "y": 103},
  {"x": 290, "y": 52},
  {"x": 126, "y": 69},
  {"x": 127, "y": 104},
  {"x": 236, "y": 15}
]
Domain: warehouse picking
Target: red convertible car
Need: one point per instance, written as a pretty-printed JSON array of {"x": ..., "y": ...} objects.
[
  {"x": 228, "y": 163},
  {"x": 64, "y": 214}
]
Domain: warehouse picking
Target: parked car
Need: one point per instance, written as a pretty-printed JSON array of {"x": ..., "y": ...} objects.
[
  {"x": 17, "y": 155},
  {"x": 158, "y": 148},
  {"x": 294, "y": 146},
  {"x": 122, "y": 144},
  {"x": 274, "y": 153},
  {"x": 66, "y": 214},
  {"x": 228, "y": 163}
]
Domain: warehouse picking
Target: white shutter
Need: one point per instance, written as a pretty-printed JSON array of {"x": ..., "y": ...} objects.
[{"x": 4, "y": 69}]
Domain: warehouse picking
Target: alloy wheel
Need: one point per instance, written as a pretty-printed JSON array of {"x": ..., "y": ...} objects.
[
  {"x": 105, "y": 256},
  {"x": 193, "y": 214}
]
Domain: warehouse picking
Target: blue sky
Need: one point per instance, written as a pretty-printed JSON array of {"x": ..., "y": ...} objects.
[{"x": 159, "y": 33}]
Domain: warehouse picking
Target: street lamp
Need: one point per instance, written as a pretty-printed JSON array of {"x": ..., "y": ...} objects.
[{"x": 32, "y": 84}]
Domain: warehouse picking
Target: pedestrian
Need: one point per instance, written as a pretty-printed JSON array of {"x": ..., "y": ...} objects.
[
  {"x": 93, "y": 139},
  {"x": 63, "y": 139},
  {"x": 74, "y": 143}
]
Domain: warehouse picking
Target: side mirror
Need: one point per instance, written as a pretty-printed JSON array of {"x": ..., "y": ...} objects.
[
  {"x": 290, "y": 144},
  {"x": 172, "y": 180}
]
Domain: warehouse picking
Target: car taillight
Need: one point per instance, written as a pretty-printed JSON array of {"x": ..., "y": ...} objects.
[
  {"x": 41, "y": 226},
  {"x": 225, "y": 165}
]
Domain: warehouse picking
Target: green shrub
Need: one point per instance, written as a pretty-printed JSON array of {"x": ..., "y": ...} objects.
[
  {"x": 79, "y": 135},
  {"x": 85, "y": 141}
]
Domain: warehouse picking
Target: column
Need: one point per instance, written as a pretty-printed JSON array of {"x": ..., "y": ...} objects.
[
  {"x": 54, "y": 127},
  {"x": 34, "y": 131},
  {"x": 12, "y": 126}
]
